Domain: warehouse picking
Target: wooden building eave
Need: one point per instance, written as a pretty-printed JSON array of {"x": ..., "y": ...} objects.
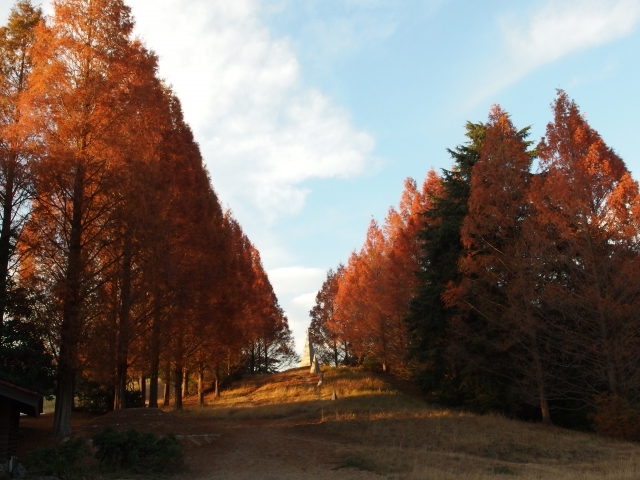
[{"x": 30, "y": 403}]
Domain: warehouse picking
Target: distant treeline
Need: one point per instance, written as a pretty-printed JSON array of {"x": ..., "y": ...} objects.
[
  {"x": 116, "y": 258},
  {"x": 500, "y": 289}
]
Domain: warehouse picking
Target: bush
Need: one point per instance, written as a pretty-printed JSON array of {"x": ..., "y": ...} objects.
[
  {"x": 93, "y": 397},
  {"x": 24, "y": 360},
  {"x": 59, "y": 460},
  {"x": 134, "y": 399},
  {"x": 138, "y": 452},
  {"x": 616, "y": 416}
]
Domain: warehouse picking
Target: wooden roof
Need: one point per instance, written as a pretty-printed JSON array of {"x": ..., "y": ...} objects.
[{"x": 30, "y": 403}]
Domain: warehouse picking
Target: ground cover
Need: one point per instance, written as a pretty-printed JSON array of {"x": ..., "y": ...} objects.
[{"x": 284, "y": 426}]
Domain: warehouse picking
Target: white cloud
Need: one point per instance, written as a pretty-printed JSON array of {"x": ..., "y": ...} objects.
[
  {"x": 306, "y": 300},
  {"x": 296, "y": 280},
  {"x": 262, "y": 131},
  {"x": 297, "y": 311},
  {"x": 561, "y": 28},
  {"x": 556, "y": 30},
  {"x": 297, "y": 288}
]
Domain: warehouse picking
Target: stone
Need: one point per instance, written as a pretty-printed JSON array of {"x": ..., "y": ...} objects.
[
  {"x": 307, "y": 353},
  {"x": 194, "y": 441},
  {"x": 315, "y": 367},
  {"x": 19, "y": 471}
]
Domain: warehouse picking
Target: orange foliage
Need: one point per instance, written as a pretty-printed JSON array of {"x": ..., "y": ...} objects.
[{"x": 376, "y": 285}]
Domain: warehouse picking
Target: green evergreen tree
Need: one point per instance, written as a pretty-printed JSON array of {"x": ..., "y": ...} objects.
[
  {"x": 24, "y": 359},
  {"x": 429, "y": 319}
]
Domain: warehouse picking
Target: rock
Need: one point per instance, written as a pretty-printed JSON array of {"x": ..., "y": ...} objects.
[
  {"x": 308, "y": 353},
  {"x": 19, "y": 471},
  {"x": 315, "y": 367}
]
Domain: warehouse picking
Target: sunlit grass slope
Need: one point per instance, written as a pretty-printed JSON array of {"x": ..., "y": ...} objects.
[{"x": 399, "y": 435}]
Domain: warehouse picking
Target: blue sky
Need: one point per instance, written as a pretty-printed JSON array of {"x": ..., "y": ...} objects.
[{"x": 310, "y": 113}]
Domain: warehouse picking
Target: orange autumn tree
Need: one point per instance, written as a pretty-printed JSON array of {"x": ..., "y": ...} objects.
[
  {"x": 131, "y": 268},
  {"x": 79, "y": 96},
  {"x": 360, "y": 303},
  {"x": 16, "y": 64},
  {"x": 550, "y": 269},
  {"x": 498, "y": 284},
  {"x": 365, "y": 305},
  {"x": 585, "y": 232},
  {"x": 328, "y": 341}
]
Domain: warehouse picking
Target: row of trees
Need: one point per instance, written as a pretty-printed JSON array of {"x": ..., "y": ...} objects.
[
  {"x": 360, "y": 310},
  {"x": 525, "y": 287},
  {"x": 113, "y": 242}
]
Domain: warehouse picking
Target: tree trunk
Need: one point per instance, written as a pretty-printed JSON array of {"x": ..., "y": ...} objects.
[
  {"x": 112, "y": 342},
  {"x": 70, "y": 329},
  {"x": 252, "y": 363},
  {"x": 266, "y": 358},
  {"x": 167, "y": 384},
  {"x": 124, "y": 327},
  {"x": 602, "y": 320},
  {"x": 143, "y": 390},
  {"x": 185, "y": 383},
  {"x": 201, "y": 384},
  {"x": 178, "y": 373},
  {"x": 155, "y": 354},
  {"x": 6, "y": 234},
  {"x": 177, "y": 379},
  {"x": 335, "y": 353},
  {"x": 542, "y": 394},
  {"x": 217, "y": 383}
]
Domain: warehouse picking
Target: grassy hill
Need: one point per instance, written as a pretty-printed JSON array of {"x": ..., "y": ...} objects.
[{"x": 394, "y": 434}]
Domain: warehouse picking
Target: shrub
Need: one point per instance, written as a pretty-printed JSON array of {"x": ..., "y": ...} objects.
[
  {"x": 59, "y": 460},
  {"x": 93, "y": 397},
  {"x": 616, "y": 416},
  {"x": 134, "y": 399},
  {"x": 138, "y": 452}
]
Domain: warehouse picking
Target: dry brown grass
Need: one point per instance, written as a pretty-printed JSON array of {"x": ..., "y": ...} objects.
[{"x": 400, "y": 436}]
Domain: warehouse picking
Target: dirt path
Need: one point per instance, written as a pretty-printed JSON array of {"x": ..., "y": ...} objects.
[
  {"x": 271, "y": 452},
  {"x": 224, "y": 450}
]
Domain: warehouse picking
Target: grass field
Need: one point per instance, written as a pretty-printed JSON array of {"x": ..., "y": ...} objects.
[{"x": 398, "y": 435}]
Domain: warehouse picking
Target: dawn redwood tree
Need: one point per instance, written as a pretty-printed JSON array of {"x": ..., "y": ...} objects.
[
  {"x": 349, "y": 310},
  {"x": 585, "y": 202},
  {"x": 16, "y": 39},
  {"x": 132, "y": 232},
  {"x": 375, "y": 335},
  {"x": 402, "y": 252},
  {"x": 78, "y": 98},
  {"x": 327, "y": 343},
  {"x": 497, "y": 281},
  {"x": 362, "y": 305},
  {"x": 271, "y": 342}
]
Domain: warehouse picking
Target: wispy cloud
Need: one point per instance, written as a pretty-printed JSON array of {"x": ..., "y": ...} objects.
[
  {"x": 559, "y": 29},
  {"x": 556, "y": 30},
  {"x": 262, "y": 130}
]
